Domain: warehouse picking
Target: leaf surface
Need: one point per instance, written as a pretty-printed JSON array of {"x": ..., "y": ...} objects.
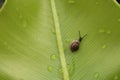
[{"x": 35, "y": 37}]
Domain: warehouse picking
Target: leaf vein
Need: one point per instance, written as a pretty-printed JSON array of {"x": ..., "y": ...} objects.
[{"x": 59, "y": 41}]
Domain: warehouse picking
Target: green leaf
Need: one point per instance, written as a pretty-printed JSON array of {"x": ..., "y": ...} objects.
[{"x": 35, "y": 36}]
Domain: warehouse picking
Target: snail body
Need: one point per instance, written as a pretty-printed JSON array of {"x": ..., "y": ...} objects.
[{"x": 74, "y": 46}]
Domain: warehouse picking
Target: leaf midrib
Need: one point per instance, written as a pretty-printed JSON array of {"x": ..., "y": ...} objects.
[{"x": 59, "y": 41}]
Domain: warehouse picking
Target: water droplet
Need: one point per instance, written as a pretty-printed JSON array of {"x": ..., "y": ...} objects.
[
  {"x": 67, "y": 40},
  {"x": 116, "y": 77},
  {"x": 71, "y": 1},
  {"x": 50, "y": 68},
  {"x": 96, "y": 75},
  {"x": 101, "y": 30},
  {"x": 17, "y": 9},
  {"x": 96, "y": 3},
  {"x": 104, "y": 46},
  {"x": 108, "y": 32},
  {"x": 53, "y": 57},
  {"x": 119, "y": 20}
]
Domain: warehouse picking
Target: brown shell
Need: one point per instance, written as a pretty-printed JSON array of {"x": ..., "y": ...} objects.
[{"x": 74, "y": 45}]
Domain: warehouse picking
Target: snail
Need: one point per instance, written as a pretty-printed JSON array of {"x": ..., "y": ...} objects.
[{"x": 74, "y": 46}]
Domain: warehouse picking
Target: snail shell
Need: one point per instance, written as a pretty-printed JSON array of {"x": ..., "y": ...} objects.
[{"x": 74, "y": 45}]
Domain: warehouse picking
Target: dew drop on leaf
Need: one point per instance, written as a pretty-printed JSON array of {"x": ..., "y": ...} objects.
[
  {"x": 53, "y": 57},
  {"x": 67, "y": 40},
  {"x": 119, "y": 20},
  {"x": 115, "y": 77},
  {"x": 71, "y": 1},
  {"x": 96, "y": 3},
  {"x": 101, "y": 30},
  {"x": 108, "y": 31},
  {"x": 96, "y": 75},
  {"x": 17, "y": 9},
  {"x": 104, "y": 46},
  {"x": 50, "y": 68}
]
